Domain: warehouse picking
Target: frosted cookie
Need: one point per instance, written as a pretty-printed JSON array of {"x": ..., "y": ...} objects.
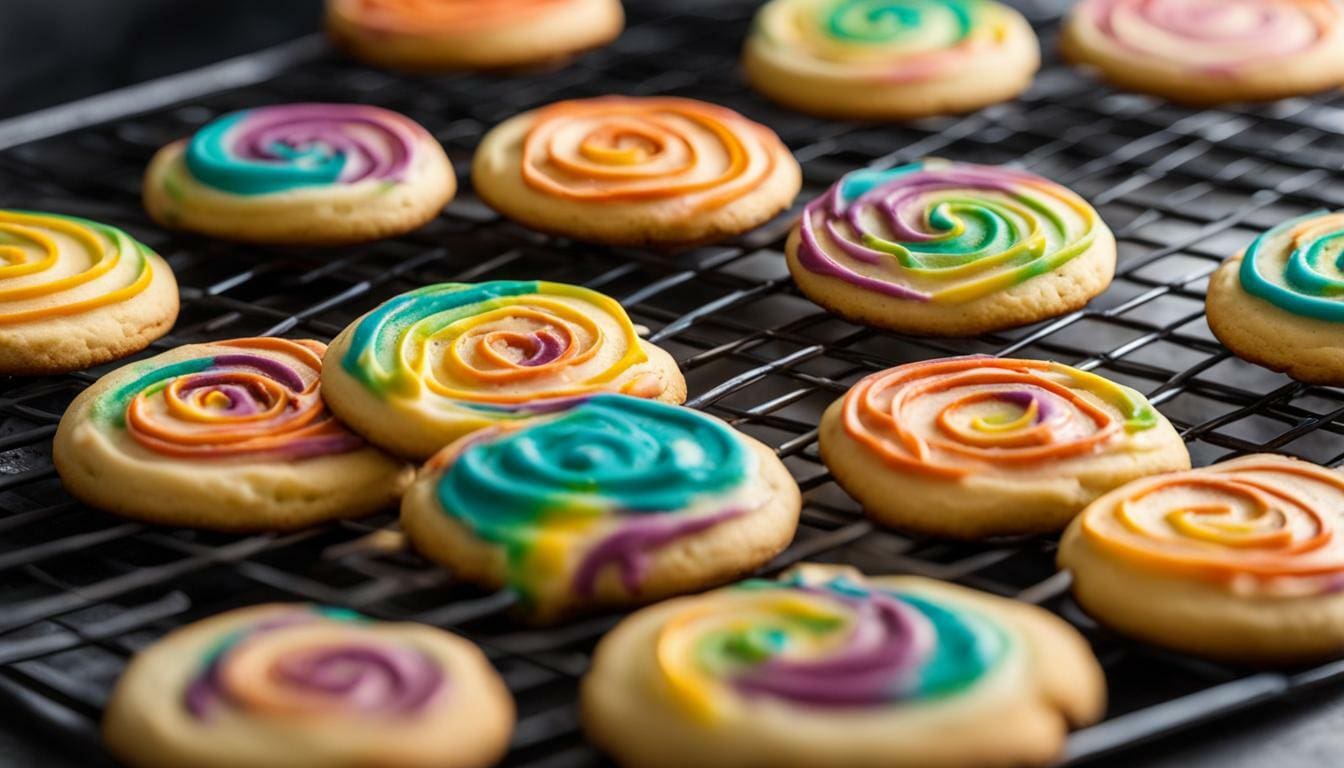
[
  {"x": 950, "y": 249},
  {"x": 300, "y": 686},
  {"x": 1241, "y": 561},
  {"x": 229, "y": 435},
  {"x": 1209, "y": 51},
  {"x": 890, "y": 59},
  {"x": 75, "y": 293},
  {"x": 1281, "y": 303},
  {"x": 440, "y": 362},
  {"x": 616, "y": 501},
  {"x": 981, "y": 446},
  {"x": 301, "y": 174},
  {"x": 636, "y": 171},
  {"x": 825, "y": 667},
  {"x": 471, "y": 34}
]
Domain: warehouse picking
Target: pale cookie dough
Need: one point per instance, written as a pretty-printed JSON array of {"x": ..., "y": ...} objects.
[
  {"x": 1279, "y": 304},
  {"x": 636, "y": 171},
  {"x": 1203, "y": 52},
  {"x": 440, "y": 362},
  {"x": 302, "y": 686},
  {"x": 1242, "y": 561},
  {"x": 229, "y": 435},
  {"x": 75, "y": 293},
  {"x": 617, "y": 501},
  {"x": 471, "y": 34},
  {"x": 950, "y": 249},
  {"x": 890, "y": 60},
  {"x": 301, "y": 174},
  {"x": 970, "y": 447},
  {"x": 826, "y": 667}
]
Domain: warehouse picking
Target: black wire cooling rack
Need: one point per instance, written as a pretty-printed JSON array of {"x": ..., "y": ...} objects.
[{"x": 81, "y": 590}]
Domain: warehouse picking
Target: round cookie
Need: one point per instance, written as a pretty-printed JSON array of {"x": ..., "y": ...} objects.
[
  {"x": 616, "y": 501},
  {"x": 471, "y": 34},
  {"x": 229, "y": 435},
  {"x": 969, "y": 447},
  {"x": 440, "y": 362},
  {"x": 75, "y": 293},
  {"x": 1281, "y": 303},
  {"x": 1202, "y": 52},
  {"x": 825, "y": 667},
  {"x": 302, "y": 686},
  {"x": 936, "y": 248},
  {"x": 301, "y": 174},
  {"x": 1242, "y": 561},
  {"x": 890, "y": 59},
  {"x": 636, "y": 171}
]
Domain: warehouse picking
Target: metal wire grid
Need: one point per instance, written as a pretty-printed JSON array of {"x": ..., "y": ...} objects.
[{"x": 83, "y": 590}]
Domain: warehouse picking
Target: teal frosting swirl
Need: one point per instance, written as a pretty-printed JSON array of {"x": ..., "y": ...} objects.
[
  {"x": 1312, "y": 283},
  {"x": 890, "y": 21}
]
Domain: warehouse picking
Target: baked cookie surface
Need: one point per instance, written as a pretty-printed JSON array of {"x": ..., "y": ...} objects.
[
  {"x": 618, "y": 500},
  {"x": 1241, "y": 561},
  {"x": 950, "y": 249},
  {"x": 229, "y": 435},
  {"x": 471, "y": 34},
  {"x": 969, "y": 447},
  {"x": 301, "y": 686},
  {"x": 1209, "y": 51},
  {"x": 893, "y": 59},
  {"x": 75, "y": 293},
  {"x": 1281, "y": 302},
  {"x": 301, "y": 174},
  {"x": 659, "y": 171},
  {"x": 439, "y": 362},
  {"x": 827, "y": 667}
]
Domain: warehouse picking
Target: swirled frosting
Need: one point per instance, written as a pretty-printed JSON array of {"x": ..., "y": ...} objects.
[
  {"x": 830, "y": 644},
  {"x": 295, "y": 146},
  {"x": 617, "y": 149},
  {"x": 240, "y": 399},
  {"x": 890, "y": 41},
  {"x": 614, "y": 478},
  {"x": 58, "y": 266},
  {"x": 1298, "y": 266},
  {"x": 1213, "y": 35},
  {"x": 961, "y": 416},
  {"x": 313, "y": 663},
  {"x": 1261, "y": 524},
  {"x": 420, "y": 17},
  {"x": 936, "y": 231}
]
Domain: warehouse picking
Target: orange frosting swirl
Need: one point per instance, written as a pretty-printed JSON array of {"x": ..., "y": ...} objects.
[{"x": 417, "y": 17}]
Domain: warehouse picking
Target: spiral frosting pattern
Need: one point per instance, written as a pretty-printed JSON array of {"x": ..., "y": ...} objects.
[
  {"x": 298, "y": 146},
  {"x": 57, "y": 266},
  {"x": 313, "y": 663},
  {"x": 943, "y": 232},
  {"x": 1260, "y": 524},
  {"x": 617, "y": 149},
  {"x": 418, "y": 17},
  {"x": 1298, "y": 266},
  {"x": 831, "y": 644},
  {"x": 620, "y": 475},
  {"x": 959, "y": 416},
  {"x": 1213, "y": 35},
  {"x": 246, "y": 398}
]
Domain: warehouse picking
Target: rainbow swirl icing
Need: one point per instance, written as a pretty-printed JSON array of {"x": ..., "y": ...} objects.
[
  {"x": 943, "y": 232},
  {"x": 960, "y": 416},
  {"x": 615, "y": 476},
  {"x": 888, "y": 40},
  {"x": 617, "y": 149},
  {"x": 421, "y": 17},
  {"x": 1213, "y": 35},
  {"x": 296, "y": 146},
  {"x": 1261, "y": 524},
  {"x": 835, "y": 643},
  {"x": 313, "y": 663},
  {"x": 57, "y": 266},
  {"x": 240, "y": 399},
  {"x": 1298, "y": 266}
]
